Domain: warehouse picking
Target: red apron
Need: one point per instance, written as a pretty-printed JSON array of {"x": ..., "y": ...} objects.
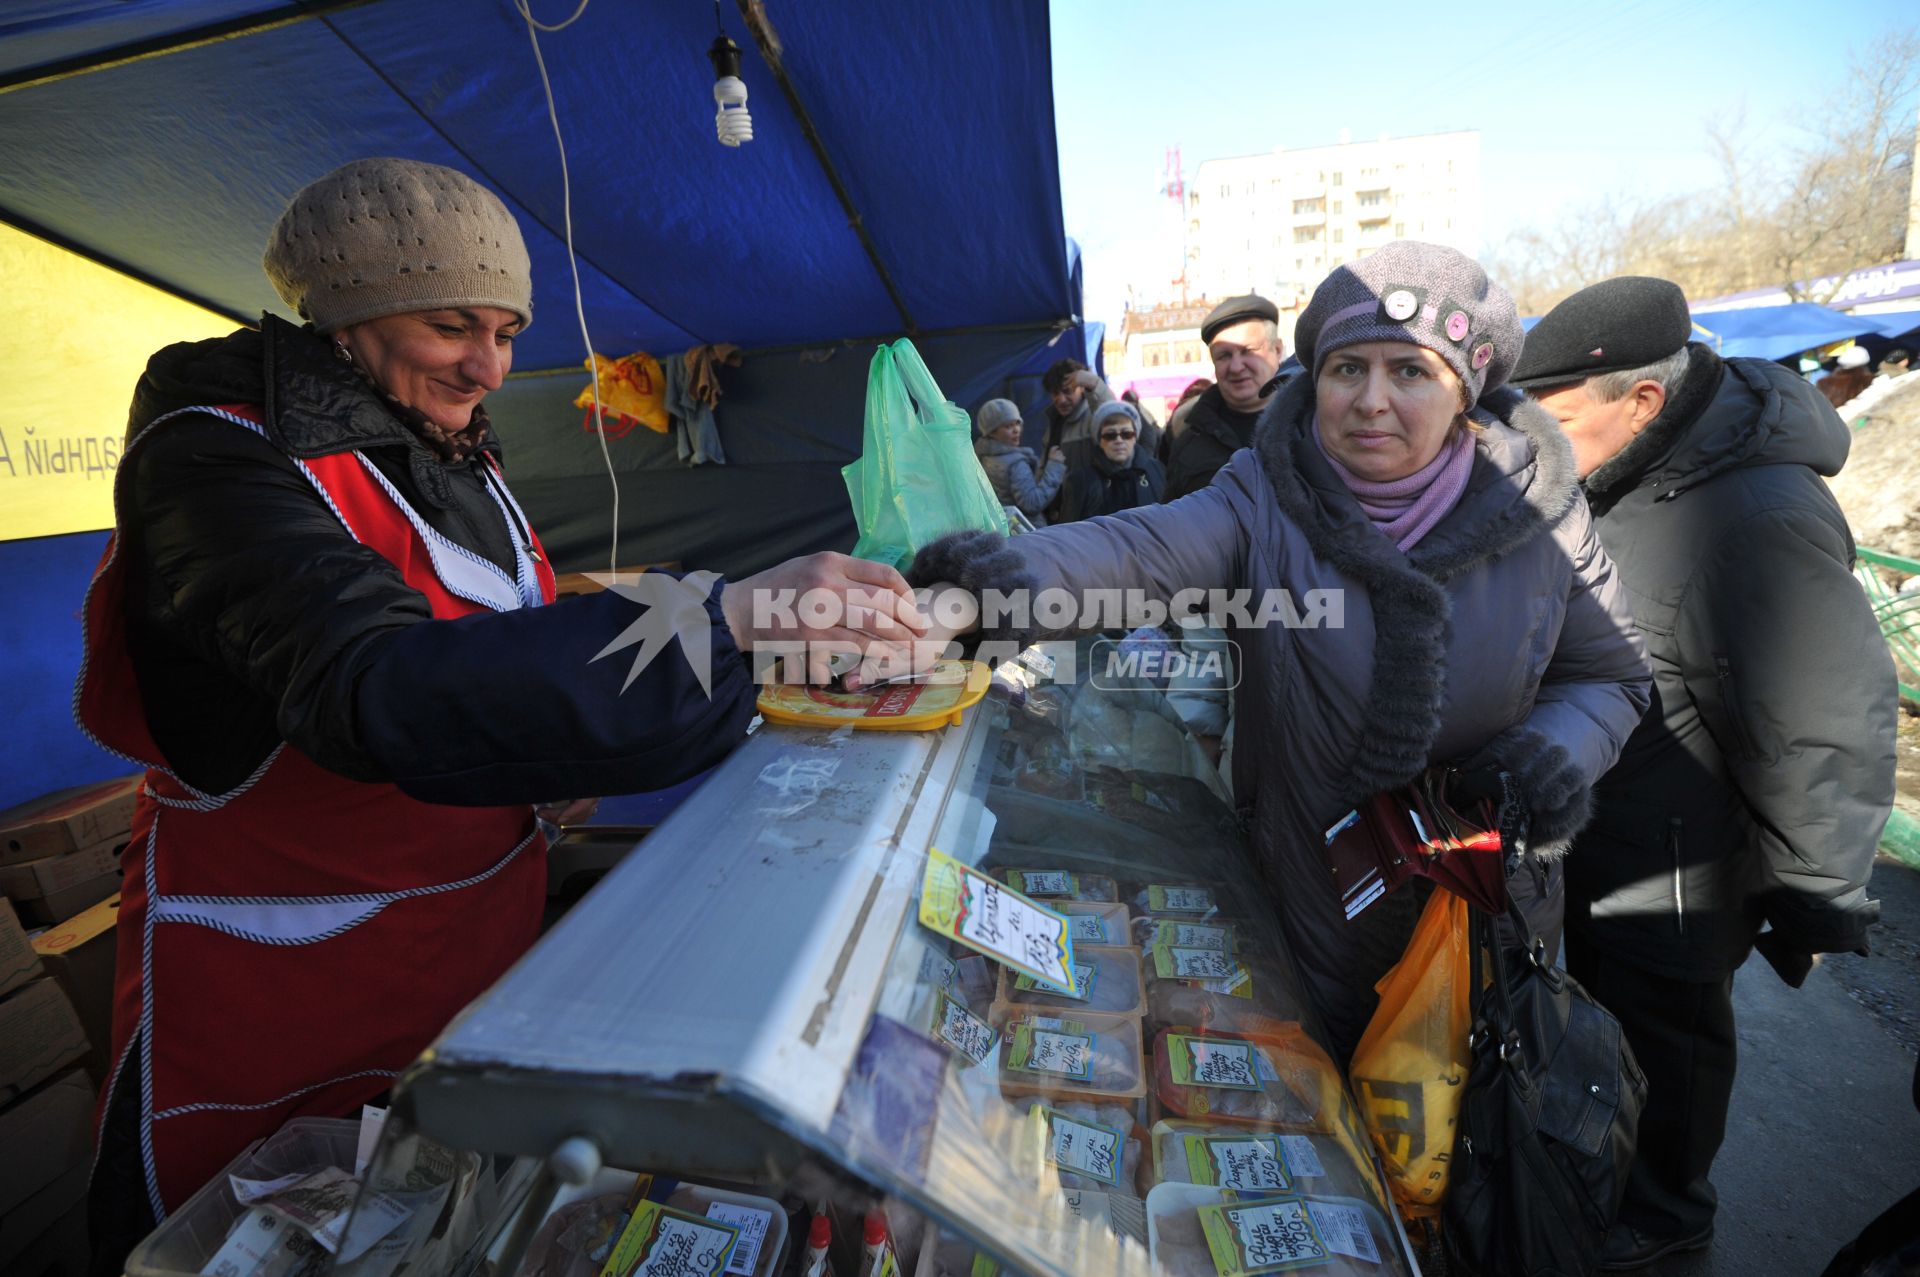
[{"x": 287, "y": 947}]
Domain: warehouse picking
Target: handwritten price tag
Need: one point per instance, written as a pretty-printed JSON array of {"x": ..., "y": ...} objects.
[
  {"x": 1043, "y": 882},
  {"x": 662, "y": 1242},
  {"x": 1084, "y": 975},
  {"x": 962, "y": 1030},
  {"x": 1037, "y": 1050},
  {"x": 1213, "y": 1062},
  {"x": 1087, "y": 1147},
  {"x": 1263, "y": 1237},
  {"x": 991, "y": 918},
  {"x": 1253, "y": 1164}
]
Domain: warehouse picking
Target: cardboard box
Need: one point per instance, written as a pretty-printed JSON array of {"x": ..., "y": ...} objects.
[
  {"x": 18, "y": 963},
  {"x": 70, "y": 820},
  {"x": 52, "y": 910},
  {"x": 33, "y": 879},
  {"x": 46, "y": 1134},
  {"x": 79, "y": 954},
  {"x": 39, "y": 1037}
]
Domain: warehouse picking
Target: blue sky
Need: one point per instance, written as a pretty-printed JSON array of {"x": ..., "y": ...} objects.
[{"x": 1572, "y": 101}]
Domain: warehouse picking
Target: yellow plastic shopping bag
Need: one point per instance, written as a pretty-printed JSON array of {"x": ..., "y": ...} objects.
[{"x": 1411, "y": 1066}]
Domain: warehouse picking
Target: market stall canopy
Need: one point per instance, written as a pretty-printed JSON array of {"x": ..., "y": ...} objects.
[
  {"x": 1775, "y": 332},
  {"x": 164, "y": 138},
  {"x": 1894, "y": 323}
]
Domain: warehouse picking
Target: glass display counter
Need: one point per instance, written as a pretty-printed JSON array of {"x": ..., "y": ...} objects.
[{"x": 745, "y": 1039}]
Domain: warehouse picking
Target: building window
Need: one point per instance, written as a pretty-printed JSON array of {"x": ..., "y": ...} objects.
[
  {"x": 1399, "y": 230},
  {"x": 1306, "y": 234},
  {"x": 1371, "y": 199},
  {"x": 1336, "y": 179},
  {"x": 1225, "y": 190},
  {"x": 1336, "y": 206},
  {"x": 1339, "y": 235},
  {"x": 1303, "y": 207}
]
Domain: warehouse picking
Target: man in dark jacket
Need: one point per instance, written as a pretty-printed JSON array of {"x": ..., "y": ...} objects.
[
  {"x": 1073, "y": 392},
  {"x": 1243, "y": 337},
  {"x": 1754, "y": 791}
]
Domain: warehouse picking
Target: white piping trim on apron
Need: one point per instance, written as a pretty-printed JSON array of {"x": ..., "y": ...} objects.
[
  {"x": 185, "y": 1109},
  {"x": 465, "y": 573},
  {"x": 146, "y": 1029},
  {"x": 296, "y": 920}
]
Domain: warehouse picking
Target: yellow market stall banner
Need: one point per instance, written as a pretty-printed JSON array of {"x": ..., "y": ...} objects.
[{"x": 67, "y": 372}]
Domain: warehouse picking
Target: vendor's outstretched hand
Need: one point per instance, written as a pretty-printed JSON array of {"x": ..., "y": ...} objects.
[{"x": 823, "y": 612}]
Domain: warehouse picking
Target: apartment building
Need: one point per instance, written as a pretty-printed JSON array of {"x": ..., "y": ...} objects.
[{"x": 1277, "y": 223}]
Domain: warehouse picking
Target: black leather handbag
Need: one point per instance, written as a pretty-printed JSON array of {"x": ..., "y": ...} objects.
[{"x": 1548, "y": 1122}]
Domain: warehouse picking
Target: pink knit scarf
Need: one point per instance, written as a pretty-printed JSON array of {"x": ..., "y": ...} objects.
[{"x": 1407, "y": 509}]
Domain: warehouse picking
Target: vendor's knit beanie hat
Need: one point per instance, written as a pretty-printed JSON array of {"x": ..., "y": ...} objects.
[
  {"x": 1426, "y": 294},
  {"x": 993, "y": 414},
  {"x": 385, "y": 236}
]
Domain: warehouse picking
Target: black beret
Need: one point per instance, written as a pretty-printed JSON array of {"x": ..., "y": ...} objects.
[
  {"x": 1237, "y": 310},
  {"x": 1611, "y": 326}
]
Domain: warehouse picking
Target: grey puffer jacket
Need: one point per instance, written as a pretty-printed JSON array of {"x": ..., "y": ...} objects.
[
  {"x": 1017, "y": 476},
  {"x": 1504, "y": 637},
  {"x": 1757, "y": 788}
]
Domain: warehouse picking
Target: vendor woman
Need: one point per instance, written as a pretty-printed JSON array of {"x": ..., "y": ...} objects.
[{"x": 326, "y": 628}]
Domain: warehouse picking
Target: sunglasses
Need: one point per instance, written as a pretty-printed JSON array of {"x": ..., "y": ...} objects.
[{"x": 1108, "y": 436}]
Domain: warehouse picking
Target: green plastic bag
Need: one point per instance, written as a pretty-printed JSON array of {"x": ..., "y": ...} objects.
[{"x": 917, "y": 477}]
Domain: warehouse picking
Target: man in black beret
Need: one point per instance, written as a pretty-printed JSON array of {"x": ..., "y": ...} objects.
[
  {"x": 1754, "y": 791},
  {"x": 1243, "y": 337}
]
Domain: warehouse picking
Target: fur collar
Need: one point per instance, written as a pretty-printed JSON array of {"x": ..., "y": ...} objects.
[{"x": 1522, "y": 486}]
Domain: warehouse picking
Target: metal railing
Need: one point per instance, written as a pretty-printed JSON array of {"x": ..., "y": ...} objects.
[{"x": 1897, "y": 611}]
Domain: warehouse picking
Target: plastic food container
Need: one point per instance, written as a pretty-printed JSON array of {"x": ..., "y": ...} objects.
[
  {"x": 583, "y": 1218},
  {"x": 1256, "y": 1079},
  {"x": 746, "y": 1212},
  {"x": 1184, "y": 901},
  {"x": 1110, "y": 976},
  {"x": 1348, "y": 1238},
  {"x": 1225, "y": 935},
  {"x": 1266, "y": 1007},
  {"x": 1095, "y": 921},
  {"x": 1076, "y": 1055},
  {"x": 1106, "y": 1125},
  {"x": 1227, "y": 1155},
  {"x": 190, "y": 1236},
  {"x": 1048, "y": 885}
]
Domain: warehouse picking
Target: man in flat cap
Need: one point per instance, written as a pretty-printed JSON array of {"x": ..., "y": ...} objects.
[
  {"x": 1243, "y": 337},
  {"x": 1754, "y": 791}
]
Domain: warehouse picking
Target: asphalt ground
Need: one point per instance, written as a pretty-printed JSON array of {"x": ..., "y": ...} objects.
[{"x": 1823, "y": 1135}]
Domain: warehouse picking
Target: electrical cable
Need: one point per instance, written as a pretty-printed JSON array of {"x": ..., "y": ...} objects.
[{"x": 579, "y": 305}]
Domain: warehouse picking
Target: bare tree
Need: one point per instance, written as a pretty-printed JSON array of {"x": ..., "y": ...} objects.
[
  {"x": 1839, "y": 204},
  {"x": 1847, "y": 205}
]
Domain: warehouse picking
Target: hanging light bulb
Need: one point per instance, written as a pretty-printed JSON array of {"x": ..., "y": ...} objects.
[{"x": 731, "y": 121}]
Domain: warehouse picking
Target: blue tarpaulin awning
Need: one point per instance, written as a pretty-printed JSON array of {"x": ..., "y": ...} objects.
[{"x": 1776, "y": 332}]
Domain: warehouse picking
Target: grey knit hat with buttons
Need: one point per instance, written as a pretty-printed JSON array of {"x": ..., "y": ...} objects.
[
  {"x": 1425, "y": 294},
  {"x": 385, "y": 236}
]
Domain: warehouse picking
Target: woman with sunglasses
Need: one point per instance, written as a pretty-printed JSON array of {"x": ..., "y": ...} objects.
[{"x": 1118, "y": 477}]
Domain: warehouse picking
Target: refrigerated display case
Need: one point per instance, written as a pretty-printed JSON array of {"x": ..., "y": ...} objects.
[{"x": 750, "y": 1007}]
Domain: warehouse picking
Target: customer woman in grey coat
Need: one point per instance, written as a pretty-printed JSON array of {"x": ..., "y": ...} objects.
[
  {"x": 1017, "y": 476},
  {"x": 1456, "y": 607}
]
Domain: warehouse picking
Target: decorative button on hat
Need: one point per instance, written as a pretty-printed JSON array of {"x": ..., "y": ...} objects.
[
  {"x": 1356, "y": 303},
  {"x": 1457, "y": 326}
]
